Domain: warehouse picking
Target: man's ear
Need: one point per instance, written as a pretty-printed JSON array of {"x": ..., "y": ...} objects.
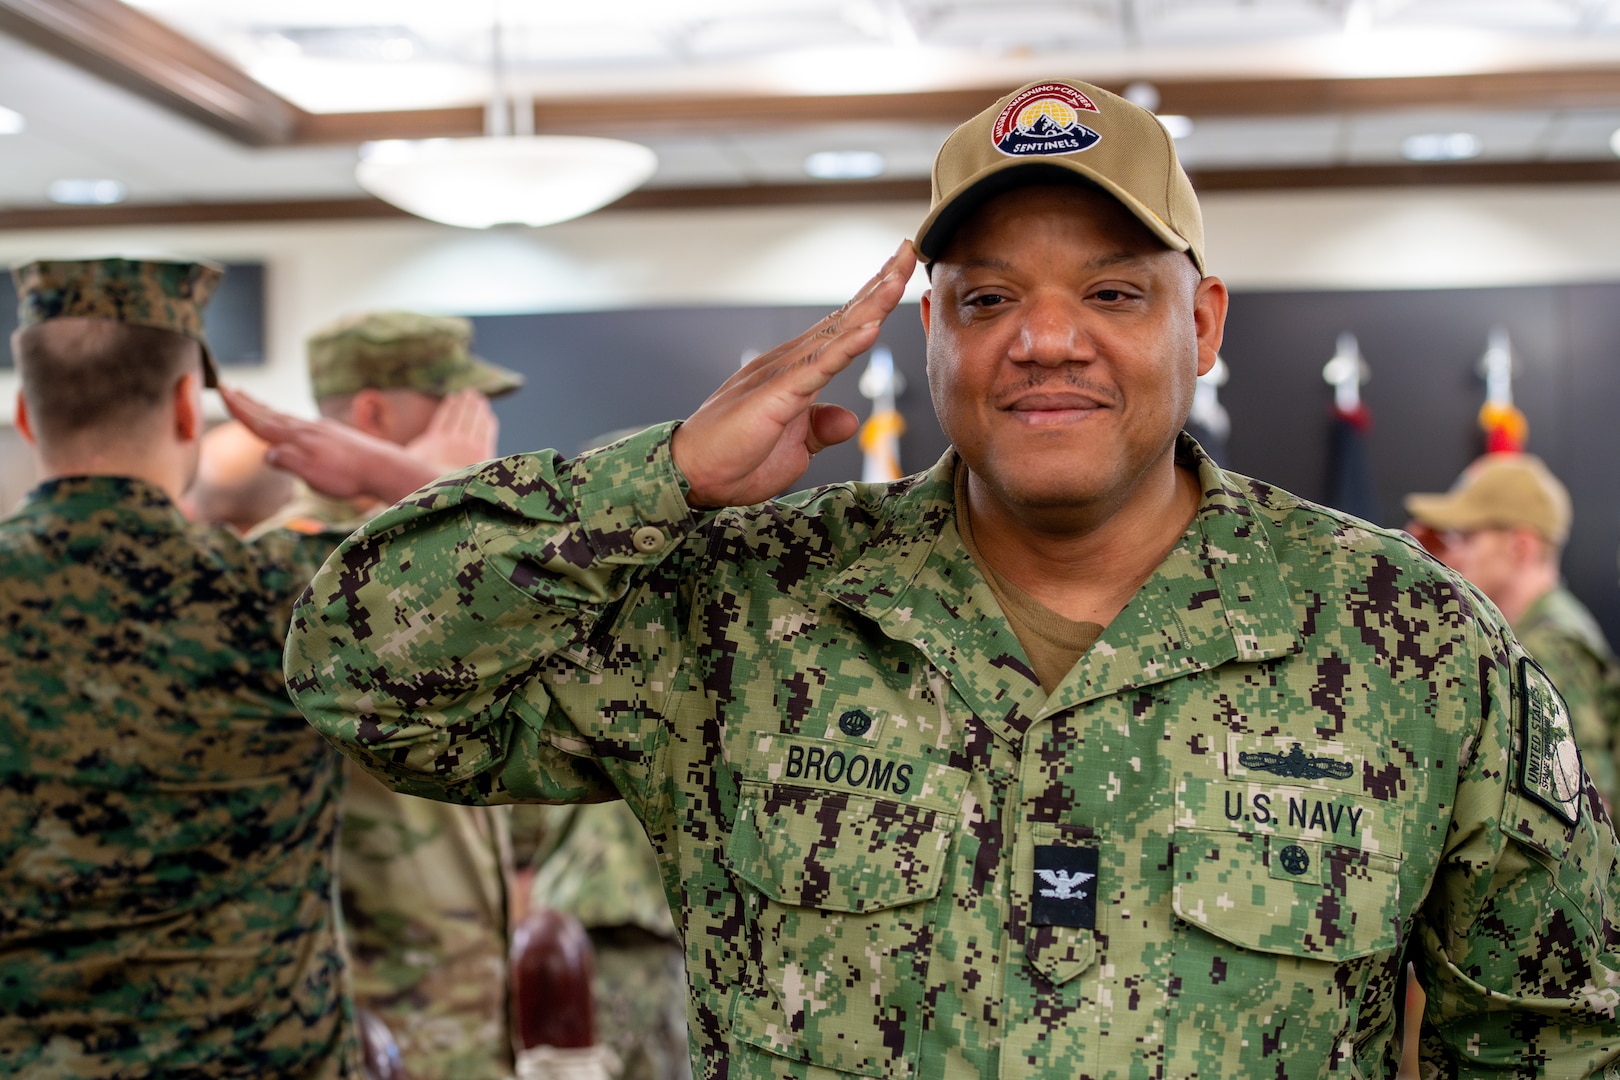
[
  {"x": 1209, "y": 317},
  {"x": 188, "y": 420},
  {"x": 1529, "y": 546},
  {"x": 369, "y": 411},
  {"x": 926, "y": 310},
  {"x": 25, "y": 427}
]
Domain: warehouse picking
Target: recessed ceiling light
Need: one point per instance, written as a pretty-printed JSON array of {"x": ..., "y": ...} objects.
[
  {"x": 1453, "y": 146},
  {"x": 1178, "y": 127},
  {"x": 11, "y": 121},
  {"x": 845, "y": 164},
  {"x": 87, "y": 192}
]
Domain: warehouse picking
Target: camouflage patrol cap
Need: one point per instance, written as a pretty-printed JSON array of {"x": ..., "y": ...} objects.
[
  {"x": 159, "y": 293},
  {"x": 384, "y": 350},
  {"x": 1499, "y": 491},
  {"x": 1055, "y": 131}
]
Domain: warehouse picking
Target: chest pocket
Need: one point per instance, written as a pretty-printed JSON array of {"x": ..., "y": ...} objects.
[
  {"x": 841, "y": 890},
  {"x": 1285, "y": 895}
]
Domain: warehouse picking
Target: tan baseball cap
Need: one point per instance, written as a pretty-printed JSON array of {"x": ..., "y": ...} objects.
[
  {"x": 161, "y": 293},
  {"x": 1054, "y": 131},
  {"x": 1499, "y": 491},
  {"x": 385, "y": 350}
]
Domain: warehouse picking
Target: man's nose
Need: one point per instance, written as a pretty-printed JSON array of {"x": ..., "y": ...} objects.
[{"x": 1053, "y": 331}]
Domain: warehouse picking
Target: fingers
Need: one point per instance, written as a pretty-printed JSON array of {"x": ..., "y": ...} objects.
[
  {"x": 268, "y": 424},
  {"x": 829, "y": 426},
  {"x": 753, "y": 436},
  {"x": 461, "y": 409}
]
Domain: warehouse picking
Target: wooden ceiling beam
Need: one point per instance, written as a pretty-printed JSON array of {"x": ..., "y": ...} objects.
[
  {"x": 1408, "y": 174},
  {"x": 1552, "y": 88},
  {"x": 675, "y": 115},
  {"x": 125, "y": 46},
  {"x": 857, "y": 191}
]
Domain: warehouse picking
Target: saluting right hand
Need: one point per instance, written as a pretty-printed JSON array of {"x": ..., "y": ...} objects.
[
  {"x": 756, "y": 434},
  {"x": 462, "y": 432}
]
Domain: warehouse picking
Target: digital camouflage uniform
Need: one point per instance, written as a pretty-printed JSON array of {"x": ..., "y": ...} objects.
[
  {"x": 167, "y": 819},
  {"x": 424, "y": 911},
  {"x": 1563, "y": 637},
  {"x": 598, "y": 867},
  {"x": 1302, "y": 752}
]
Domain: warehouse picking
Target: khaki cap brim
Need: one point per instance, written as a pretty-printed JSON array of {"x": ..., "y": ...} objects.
[
  {"x": 942, "y": 222},
  {"x": 1447, "y": 513}
]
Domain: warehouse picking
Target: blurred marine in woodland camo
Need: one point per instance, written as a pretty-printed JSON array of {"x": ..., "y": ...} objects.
[
  {"x": 1075, "y": 755},
  {"x": 167, "y": 822}
]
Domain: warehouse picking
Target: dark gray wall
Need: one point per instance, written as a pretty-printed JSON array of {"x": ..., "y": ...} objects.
[
  {"x": 1424, "y": 349},
  {"x": 590, "y": 373},
  {"x": 595, "y": 372}
]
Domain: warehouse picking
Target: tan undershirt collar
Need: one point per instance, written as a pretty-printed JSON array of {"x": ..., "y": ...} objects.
[{"x": 1053, "y": 643}]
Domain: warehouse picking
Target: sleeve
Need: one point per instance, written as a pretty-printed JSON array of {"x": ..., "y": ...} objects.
[
  {"x": 447, "y": 647},
  {"x": 1517, "y": 948},
  {"x": 1582, "y": 679}
]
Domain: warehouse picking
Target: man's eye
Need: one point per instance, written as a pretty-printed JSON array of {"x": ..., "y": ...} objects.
[
  {"x": 986, "y": 299},
  {"x": 1109, "y": 296}
]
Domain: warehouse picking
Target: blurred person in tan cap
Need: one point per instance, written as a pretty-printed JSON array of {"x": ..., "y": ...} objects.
[
  {"x": 167, "y": 819},
  {"x": 1503, "y": 526},
  {"x": 1072, "y": 755},
  {"x": 424, "y": 885}
]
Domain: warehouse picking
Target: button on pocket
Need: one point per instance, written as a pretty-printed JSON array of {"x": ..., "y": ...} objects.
[{"x": 648, "y": 539}]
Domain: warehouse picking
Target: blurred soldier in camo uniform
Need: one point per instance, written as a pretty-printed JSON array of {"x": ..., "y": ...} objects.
[
  {"x": 1503, "y": 526},
  {"x": 167, "y": 819},
  {"x": 424, "y": 884},
  {"x": 594, "y": 862},
  {"x": 1075, "y": 755}
]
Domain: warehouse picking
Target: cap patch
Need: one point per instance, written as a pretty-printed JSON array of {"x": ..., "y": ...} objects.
[
  {"x": 1550, "y": 770},
  {"x": 1044, "y": 120}
]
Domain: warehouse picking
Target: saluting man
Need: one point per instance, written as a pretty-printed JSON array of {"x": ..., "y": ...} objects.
[
  {"x": 168, "y": 822},
  {"x": 1075, "y": 755}
]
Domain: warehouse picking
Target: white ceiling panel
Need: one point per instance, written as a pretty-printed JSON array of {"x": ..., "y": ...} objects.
[
  {"x": 1503, "y": 136},
  {"x": 1270, "y": 142},
  {"x": 778, "y": 157},
  {"x": 1577, "y": 135},
  {"x": 697, "y": 162}
]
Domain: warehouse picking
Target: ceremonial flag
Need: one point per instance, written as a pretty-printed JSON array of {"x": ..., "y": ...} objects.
[
  {"x": 1349, "y": 486},
  {"x": 880, "y": 435}
]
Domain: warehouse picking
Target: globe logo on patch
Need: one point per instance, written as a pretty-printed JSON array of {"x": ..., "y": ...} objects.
[
  {"x": 854, "y": 722},
  {"x": 1045, "y": 120},
  {"x": 1294, "y": 859}
]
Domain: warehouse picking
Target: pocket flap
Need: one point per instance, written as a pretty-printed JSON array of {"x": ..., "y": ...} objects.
[
  {"x": 835, "y": 851},
  {"x": 1286, "y": 895}
]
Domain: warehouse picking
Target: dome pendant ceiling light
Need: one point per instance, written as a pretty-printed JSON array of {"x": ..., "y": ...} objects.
[{"x": 509, "y": 175}]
